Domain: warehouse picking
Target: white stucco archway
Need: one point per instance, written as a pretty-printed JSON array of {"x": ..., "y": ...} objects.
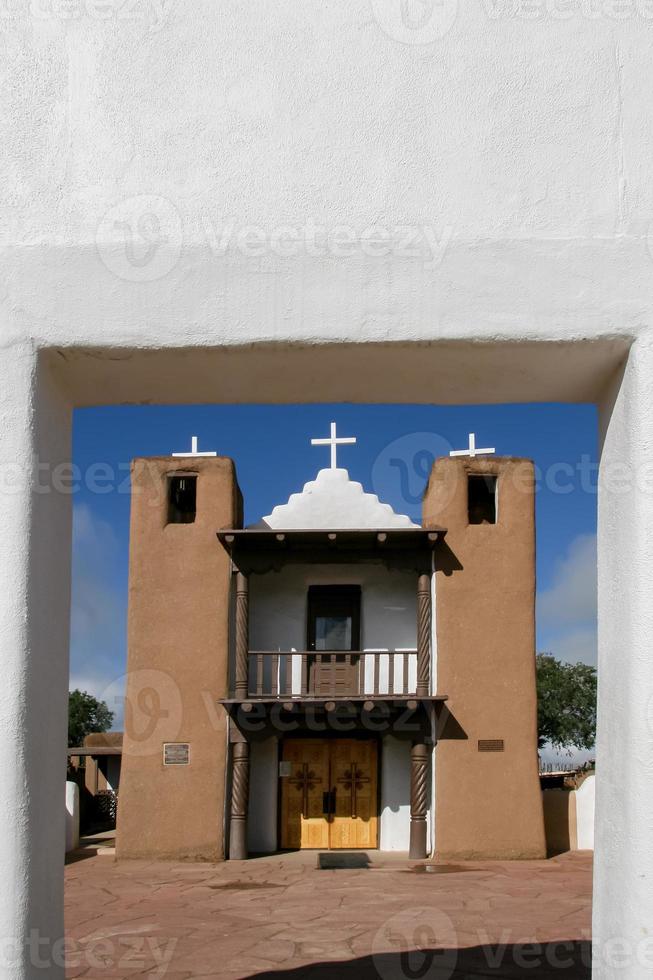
[{"x": 481, "y": 188}]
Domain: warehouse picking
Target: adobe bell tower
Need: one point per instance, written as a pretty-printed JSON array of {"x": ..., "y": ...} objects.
[
  {"x": 488, "y": 797},
  {"x": 174, "y": 750}
]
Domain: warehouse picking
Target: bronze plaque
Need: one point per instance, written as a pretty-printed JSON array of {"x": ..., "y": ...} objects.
[
  {"x": 176, "y": 753},
  {"x": 490, "y": 745}
]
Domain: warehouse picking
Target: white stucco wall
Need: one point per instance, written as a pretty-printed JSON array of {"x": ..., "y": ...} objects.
[
  {"x": 278, "y": 605},
  {"x": 585, "y": 807},
  {"x": 395, "y": 797},
  {"x": 523, "y": 144},
  {"x": 72, "y": 816},
  {"x": 278, "y": 617},
  {"x": 263, "y": 791}
]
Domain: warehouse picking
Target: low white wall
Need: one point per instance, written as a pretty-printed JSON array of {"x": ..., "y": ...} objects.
[
  {"x": 263, "y": 789},
  {"x": 72, "y": 816},
  {"x": 585, "y": 795}
]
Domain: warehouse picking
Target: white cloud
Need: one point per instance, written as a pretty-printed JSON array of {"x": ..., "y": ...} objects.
[
  {"x": 566, "y": 611},
  {"x": 577, "y": 646},
  {"x": 572, "y": 596}
]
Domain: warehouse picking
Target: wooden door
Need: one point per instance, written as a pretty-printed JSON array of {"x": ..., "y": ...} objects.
[
  {"x": 303, "y": 810},
  {"x": 329, "y": 799},
  {"x": 334, "y": 675},
  {"x": 333, "y": 624},
  {"x": 353, "y": 780}
]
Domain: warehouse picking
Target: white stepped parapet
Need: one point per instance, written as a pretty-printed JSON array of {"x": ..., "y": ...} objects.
[{"x": 332, "y": 500}]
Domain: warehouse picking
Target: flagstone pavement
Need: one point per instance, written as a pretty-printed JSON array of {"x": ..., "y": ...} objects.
[{"x": 281, "y": 917}]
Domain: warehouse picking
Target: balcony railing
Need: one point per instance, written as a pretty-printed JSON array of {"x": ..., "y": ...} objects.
[{"x": 306, "y": 674}]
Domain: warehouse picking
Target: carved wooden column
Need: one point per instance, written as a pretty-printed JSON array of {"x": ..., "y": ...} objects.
[
  {"x": 419, "y": 771},
  {"x": 242, "y": 635},
  {"x": 239, "y": 800},
  {"x": 423, "y": 635}
]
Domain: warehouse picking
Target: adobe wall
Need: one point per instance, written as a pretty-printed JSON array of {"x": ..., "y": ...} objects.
[
  {"x": 560, "y": 820},
  {"x": 488, "y": 804},
  {"x": 179, "y": 580}
]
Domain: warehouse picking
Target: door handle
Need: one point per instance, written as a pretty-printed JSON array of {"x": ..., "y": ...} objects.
[{"x": 329, "y": 802}]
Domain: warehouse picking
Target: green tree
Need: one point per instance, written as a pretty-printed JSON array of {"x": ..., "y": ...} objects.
[
  {"x": 85, "y": 715},
  {"x": 566, "y": 703}
]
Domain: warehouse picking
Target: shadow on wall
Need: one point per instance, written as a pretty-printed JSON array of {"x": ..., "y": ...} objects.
[
  {"x": 445, "y": 559},
  {"x": 558, "y": 821},
  {"x": 447, "y": 725},
  {"x": 565, "y": 958}
]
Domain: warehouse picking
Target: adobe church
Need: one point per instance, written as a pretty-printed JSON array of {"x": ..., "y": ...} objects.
[{"x": 335, "y": 676}]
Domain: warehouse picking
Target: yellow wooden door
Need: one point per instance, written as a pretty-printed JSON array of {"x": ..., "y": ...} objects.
[
  {"x": 303, "y": 818},
  {"x": 329, "y": 798},
  {"x": 353, "y": 765}
]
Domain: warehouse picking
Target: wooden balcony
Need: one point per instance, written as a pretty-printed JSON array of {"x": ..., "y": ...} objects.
[{"x": 334, "y": 674}]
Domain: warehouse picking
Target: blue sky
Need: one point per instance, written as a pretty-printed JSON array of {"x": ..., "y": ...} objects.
[{"x": 274, "y": 458}]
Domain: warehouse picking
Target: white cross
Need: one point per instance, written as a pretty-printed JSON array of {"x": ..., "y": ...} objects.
[
  {"x": 472, "y": 450},
  {"x": 334, "y": 442},
  {"x": 194, "y": 451}
]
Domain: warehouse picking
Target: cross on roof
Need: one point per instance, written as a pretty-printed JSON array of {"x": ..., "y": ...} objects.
[
  {"x": 334, "y": 442},
  {"x": 194, "y": 451},
  {"x": 472, "y": 450}
]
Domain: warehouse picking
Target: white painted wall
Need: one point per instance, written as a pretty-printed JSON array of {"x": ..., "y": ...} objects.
[
  {"x": 278, "y": 605},
  {"x": 72, "y": 816},
  {"x": 263, "y": 790},
  {"x": 395, "y": 795},
  {"x": 523, "y": 145},
  {"x": 585, "y": 806},
  {"x": 278, "y": 615}
]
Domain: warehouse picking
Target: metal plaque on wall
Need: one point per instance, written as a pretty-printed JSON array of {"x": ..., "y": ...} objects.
[{"x": 176, "y": 753}]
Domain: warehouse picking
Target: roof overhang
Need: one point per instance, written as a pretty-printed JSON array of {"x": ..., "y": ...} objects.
[
  {"x": 268, "y": 549},
  {"x": 404, "y": 716}
]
